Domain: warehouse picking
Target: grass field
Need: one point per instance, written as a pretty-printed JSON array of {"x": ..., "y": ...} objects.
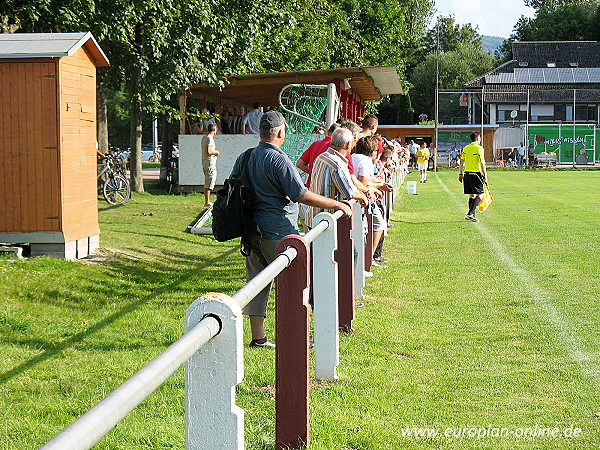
[{"x": 488, "y": 328}]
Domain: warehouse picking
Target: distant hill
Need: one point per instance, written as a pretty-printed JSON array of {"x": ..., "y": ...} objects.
[{"x": 491, "y": 43}]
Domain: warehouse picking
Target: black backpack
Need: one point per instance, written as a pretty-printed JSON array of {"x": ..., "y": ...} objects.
[{"x": 233, "y": 209}]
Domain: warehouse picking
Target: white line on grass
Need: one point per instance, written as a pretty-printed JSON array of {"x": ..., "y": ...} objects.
[{"x": 541, "y": 296}]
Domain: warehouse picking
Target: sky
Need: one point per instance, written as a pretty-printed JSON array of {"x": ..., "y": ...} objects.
[{"x": 494, "y": 17}]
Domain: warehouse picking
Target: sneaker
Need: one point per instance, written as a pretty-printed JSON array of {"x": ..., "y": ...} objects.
[
  {"x": 376, "y": 264},
  {"x": 261, "y": 343},
  {"x": 208, "y": 205},
  {"x": 368, "y": 274},
  {"x": 359, "y": 305},
  {"x": 379, "y": 259},
  {"x": 471, "y": 217}
]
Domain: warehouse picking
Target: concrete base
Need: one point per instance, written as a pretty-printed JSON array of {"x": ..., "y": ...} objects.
[{"x": 79, "y": 248}]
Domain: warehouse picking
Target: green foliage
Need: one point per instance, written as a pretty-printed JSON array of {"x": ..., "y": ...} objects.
[
  {"x": 396, "y": 109},
  {"x": 570, "y": 20},
  {"x": 406, "y": 114},
  {"x": 451, "y": 35}
]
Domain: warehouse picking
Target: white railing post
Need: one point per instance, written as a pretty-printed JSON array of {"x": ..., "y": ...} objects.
[
  {"x": 359, "y": 250},
  {"x": 325, "y": 289},
  {"x": 213, "y": 420}
]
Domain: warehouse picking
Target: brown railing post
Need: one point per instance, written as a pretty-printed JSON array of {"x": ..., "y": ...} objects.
[
  {"x": 369, "y": 243},
  {"x": 292, "y": 362},
  {"x": 344, "y": 256}
]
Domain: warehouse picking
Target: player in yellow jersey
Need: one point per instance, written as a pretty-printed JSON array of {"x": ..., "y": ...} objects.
[
  {"x": 422, "y": 161},
  {"x": 472, "y": 173}
]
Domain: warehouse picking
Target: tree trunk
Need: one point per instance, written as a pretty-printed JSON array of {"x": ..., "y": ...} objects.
[
  {"x": 135, "y": 137},
  {"x": 102, "y": 119},
  {"x": 167, "y": 140}
]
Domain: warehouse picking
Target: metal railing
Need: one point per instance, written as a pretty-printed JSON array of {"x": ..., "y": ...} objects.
[{"x": 211, "y": 346}]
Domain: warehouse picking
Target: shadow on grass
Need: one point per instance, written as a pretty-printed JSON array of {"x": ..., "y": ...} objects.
[{"x": 51, "y": 349}]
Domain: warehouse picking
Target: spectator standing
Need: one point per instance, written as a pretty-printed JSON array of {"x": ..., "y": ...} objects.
[
  {"x": 226, "y": 121},
  {"x": 252, "y": 119},
  {"x": 363, "y": 157},
  {"x": 530, "y": 155},
  {"x": 422, "y": 161},
  {"x": 331, "y": 176},
  {"x": 432, "y": 156},
  {"x": 474, "y": 174},
  {"x": 454, "y": 157},
  {"x": 237, "y": 124},
  {"x": 277, "y": 187},
  {"x": 412, "y": 148},
  {"x": 521, "y": 154},
  {"x": 306, "y": 160},
  {"x": 369, "y": 125},
  {"x": 209, "y": 162}
]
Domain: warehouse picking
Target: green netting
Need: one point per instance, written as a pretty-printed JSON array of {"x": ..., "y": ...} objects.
[{"x": 301, "y": 102}]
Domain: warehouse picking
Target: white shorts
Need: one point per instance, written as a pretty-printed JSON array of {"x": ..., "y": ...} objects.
[{"x": 423, "y": 166}]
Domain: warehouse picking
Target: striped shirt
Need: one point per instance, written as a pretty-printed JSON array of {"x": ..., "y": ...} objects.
[{"x": 330, "y": 177}]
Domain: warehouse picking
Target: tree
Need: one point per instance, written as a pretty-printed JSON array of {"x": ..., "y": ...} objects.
[
  {"x": 552, "y": 5},
  {"x": 558, "y": 20},
  {"x": 396, "y": 109},
  {"x": 451, "y": 35},
  {"x": 456, "y": 67}
]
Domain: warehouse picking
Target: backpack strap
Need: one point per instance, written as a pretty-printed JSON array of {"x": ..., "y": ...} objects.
[{"x": 247, "y": 154}]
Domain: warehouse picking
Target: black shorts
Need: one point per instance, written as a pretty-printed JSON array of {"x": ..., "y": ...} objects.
[{"x": 473, "y": 183}]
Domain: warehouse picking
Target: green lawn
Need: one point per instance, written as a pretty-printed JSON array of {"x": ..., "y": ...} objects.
[{"x": 472, "y": 328}]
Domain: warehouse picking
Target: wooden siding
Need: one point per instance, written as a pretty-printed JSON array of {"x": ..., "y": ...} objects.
[
  {"x": 48, "y": 146},
  {"x": 78, "y": 145},
  {"x": 29, "y": 154}
]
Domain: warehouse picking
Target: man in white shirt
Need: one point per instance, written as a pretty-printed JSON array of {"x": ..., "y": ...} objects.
[
  {"x": 252, "y": 120},
  {"x": 209, "y": 162}
]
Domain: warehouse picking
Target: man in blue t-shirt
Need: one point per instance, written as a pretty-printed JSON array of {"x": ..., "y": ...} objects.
[{"x": 277, "y": 188}]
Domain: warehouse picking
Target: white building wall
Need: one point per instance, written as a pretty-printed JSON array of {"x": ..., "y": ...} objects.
[{"x": 191, "y": 176}]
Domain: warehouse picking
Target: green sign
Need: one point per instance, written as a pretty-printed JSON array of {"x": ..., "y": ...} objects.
[
  {"x": 565, "y": 141},
  {"x": 450, "y": 139}
]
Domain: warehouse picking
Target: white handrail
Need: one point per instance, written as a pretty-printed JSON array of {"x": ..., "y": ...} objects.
[{"x": 94, "y": 424}]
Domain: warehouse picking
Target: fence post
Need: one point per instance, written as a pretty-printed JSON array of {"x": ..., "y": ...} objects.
[
  {"x": 344, "y": 256},
  {"x": 326, "y": 316},
  {"x": 358, "y": 239},
  {"x": 369, "y": 243},
  {"x": 292, "y": 363},
  {"x": 213, "y": 420}
]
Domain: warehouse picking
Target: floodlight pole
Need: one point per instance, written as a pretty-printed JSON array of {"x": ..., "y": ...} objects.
[
  {"x": 574, "y": 123},
  {"x": 437, "y": 94}
]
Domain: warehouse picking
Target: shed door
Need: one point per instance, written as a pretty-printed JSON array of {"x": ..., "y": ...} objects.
[{"x": 29, "y": 157}]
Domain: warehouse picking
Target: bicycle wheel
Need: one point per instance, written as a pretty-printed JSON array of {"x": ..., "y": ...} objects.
[
  {"x": 170, "y": 183},
  {"x": 116, "y": 190}
]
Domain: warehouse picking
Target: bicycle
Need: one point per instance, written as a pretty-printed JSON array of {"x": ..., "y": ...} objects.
[
  {"x": 171, "y": 175},
  {"x": 112, "y": 180}
]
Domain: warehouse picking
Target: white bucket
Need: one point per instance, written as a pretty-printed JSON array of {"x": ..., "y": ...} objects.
[{"x": 412, "y": 187}]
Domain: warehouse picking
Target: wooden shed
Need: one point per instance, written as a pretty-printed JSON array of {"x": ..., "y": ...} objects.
[{"x": 48, "y": 193}]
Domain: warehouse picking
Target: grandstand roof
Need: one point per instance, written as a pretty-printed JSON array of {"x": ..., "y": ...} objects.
[{"x": 370, "y": 83}]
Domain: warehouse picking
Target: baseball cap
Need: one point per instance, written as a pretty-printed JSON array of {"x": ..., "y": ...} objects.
[{"x": 272, "y": 119}]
